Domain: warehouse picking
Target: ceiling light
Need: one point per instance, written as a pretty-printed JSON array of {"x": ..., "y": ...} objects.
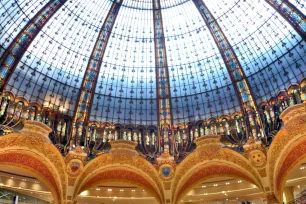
[
  {"x": 109, "y": 189},
  {"x": 227, "y": 183},
  {"x": 239, "y": 181},
  {"x": 133, "y": 190},
  {"x": 97, "y": 189},
  {"x": 215, "y": 184},
  {"x": 203, "y": 186},
  {"x": 121, "y": 190},
  {"x": 303, "y": 167}
]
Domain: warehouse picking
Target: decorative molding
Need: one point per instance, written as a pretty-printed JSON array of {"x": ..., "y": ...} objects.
[
  {"x": 31, "y": 149},
  {"x": 35, "y": 142},
  {"x": 294, "y": 119}
]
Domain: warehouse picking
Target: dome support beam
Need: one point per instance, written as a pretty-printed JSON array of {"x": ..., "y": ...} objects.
[
  {"x": 293, "y": 15},
  {"x": 88, "y": 87},
  {"x": 20, "y": 44},
  {"x": 234, "y": 68},
  {"x": 162, "y": 78}
]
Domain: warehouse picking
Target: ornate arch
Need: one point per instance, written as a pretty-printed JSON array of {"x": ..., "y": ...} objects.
[
  {"x": 288, "y": 148},
  {"x": 123, "y": 164},
  {"x": 32, "y": 150},
  {"x": 34, "y": 164},
  {"x": 211, "y": 160},
  {"x": 118, "y": 173}
]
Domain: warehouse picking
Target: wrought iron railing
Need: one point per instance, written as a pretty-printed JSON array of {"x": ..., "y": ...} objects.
[{"x": 95, "y": 138}]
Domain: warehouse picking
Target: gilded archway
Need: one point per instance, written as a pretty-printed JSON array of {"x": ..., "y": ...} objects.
[
  {"x": 288, "y": 148},
  {"x": 123, "y": 164},
  {"x": 211, "y": 160},
  {"x": 31, "y": 149}
]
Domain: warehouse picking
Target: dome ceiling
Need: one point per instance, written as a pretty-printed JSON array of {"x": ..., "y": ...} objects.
[{"x": 271, "y": 53}]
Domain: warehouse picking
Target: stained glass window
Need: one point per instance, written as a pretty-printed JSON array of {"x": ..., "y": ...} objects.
[
  {"x": 51, "y": 71},
  {"x": 14, "y": 15}
]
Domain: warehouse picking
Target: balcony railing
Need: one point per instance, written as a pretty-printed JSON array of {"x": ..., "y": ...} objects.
[{"x": 95, "y": 138}]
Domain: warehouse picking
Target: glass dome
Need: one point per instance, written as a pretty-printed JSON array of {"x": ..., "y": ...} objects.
[{"x": 271, "y": 52}]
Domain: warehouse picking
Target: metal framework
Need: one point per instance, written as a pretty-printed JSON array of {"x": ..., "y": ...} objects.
[
  {"x": 233, "y": 66},
  {"x": 162, "y": 76},
  {"x": 294, "y": 16},
  {"x": 87, "y": 90},
  {"x": 19, "y": 45}
]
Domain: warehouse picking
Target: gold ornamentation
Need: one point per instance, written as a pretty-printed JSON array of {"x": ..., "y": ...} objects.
[
  {"x": 33, "y": 139},
  {"x": 207, "y": 152},
  {"x": 36, "y": 165},
  {"x": 208, "y": 140},
  {"x": 123, "y": 145},
  {"x": 262, "y": 172},
  {"x": 294, "y": 119},
  {"x": 71, "y": 180},
  {"x": 270, "y": 198},
  {"x": 167, "y": 185},
  {"x": 124, "y": 155},
  {"x": 121, "y": 175},
  {"x": 258, "y": 158},
  {"x": 216, "y": 169},
  {"x": 74, "y": 167},
  {"x": 296, "y": 154}
]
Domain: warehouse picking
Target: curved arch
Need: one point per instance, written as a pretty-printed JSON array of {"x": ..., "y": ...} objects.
[
  {"x": 106, "y": 124},
  {"x": 36, "y": 165},
  {"x": 35, "y": 104},
  {"x": 10, "y": 94},
  {"x": 210, "y": 155},
  {"x": 141, "y": 127},
  {"x": 33, "y": 145},
  {"x": 120, "y": 174},
  {"x": 288, "y": 163},
  {"x": 24, "y": 100},
  {"x": 124, "y": 162},
  {"x": 289, "y": 140},
  {"x": 212, "y": 169},
  {"x": 199, "y": 122},
  {"x": 293, "y": 86},
  {"x": 233, "y": 115}
]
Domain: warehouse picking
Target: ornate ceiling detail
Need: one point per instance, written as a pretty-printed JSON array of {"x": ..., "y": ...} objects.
[{"x": 31, "y": 150}]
